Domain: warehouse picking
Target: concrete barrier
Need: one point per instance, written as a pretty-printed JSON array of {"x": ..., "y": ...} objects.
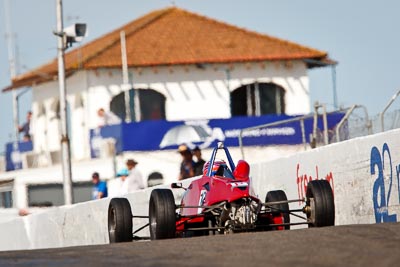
[
  {"x": 364, "y": 174},
  {"x": 80, "y": 224}
]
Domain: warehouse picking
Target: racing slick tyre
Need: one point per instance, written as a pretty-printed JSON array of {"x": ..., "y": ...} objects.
[
  {"x": 162, "y": 216},
  {"x": 320, "y": 204},
  {"x": 279, "y": 195},
  {"x": 119, "y": 221}
]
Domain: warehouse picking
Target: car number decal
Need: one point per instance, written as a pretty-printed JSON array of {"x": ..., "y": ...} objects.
[{"x": 203, "y": 194}]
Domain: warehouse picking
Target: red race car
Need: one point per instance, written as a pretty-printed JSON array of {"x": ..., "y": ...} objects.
[{"x": 221, "y": 202}]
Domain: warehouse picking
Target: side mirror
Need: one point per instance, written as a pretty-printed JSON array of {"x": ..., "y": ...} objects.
[{"x": 177, "y": 185}]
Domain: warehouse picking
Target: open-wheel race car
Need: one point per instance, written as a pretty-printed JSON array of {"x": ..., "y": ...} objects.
[{"x": 221, "y": 202}]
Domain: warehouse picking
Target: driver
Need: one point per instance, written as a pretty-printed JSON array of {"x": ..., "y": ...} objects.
[{"x": 217, "y": 168}]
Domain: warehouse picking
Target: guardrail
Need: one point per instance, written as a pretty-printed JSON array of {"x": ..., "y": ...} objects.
[
  {"x": 315, "y": 115},
  {"x": 346, "y": 117},
  {"x": 386, "y": 107},
  {"x": 277, "y": 123},
  {"x": 274, "y": 124},
  {"x": 301, "y": 119}
]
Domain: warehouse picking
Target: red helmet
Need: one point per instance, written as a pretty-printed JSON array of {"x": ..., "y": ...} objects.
[{"x": 216, "y": 165}]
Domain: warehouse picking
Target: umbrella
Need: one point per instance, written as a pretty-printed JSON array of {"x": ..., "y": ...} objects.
[{"x": 184, "y": 134}]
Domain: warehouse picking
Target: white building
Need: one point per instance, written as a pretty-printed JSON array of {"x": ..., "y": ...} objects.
[{"x": 180, "y": 66}]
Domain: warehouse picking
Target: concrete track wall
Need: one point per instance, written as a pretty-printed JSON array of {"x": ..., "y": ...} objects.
[{"x": 363, "y": 172}]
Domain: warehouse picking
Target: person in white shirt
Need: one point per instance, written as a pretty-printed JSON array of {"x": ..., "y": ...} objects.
[
  {"x": 129, "y": 181},
  {"x": 107, "y": 118},
  {"x": 135, "y": 176}
]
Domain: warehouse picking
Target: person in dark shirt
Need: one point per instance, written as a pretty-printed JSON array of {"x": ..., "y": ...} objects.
[
  {"x": 99, "y": 187},
  {"x": 187, "y": 164},
  {"x": 26, "y": 127},
  {"x": 198, "y": 166}
]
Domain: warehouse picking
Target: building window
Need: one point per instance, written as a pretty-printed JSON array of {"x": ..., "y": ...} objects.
[
  {"x": 6, "y": 200},
  {"x": 6, "y": 197},
  {"x": 151, "y": 102},
  {"x": 258, "y": 99},
  {"x": 46, "y": 195}
]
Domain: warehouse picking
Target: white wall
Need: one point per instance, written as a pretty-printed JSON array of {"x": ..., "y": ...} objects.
[
  {"x": 47, "y": 133},
  {"x": 362, "y": 172},
  {"x": 189, "y": 92}
]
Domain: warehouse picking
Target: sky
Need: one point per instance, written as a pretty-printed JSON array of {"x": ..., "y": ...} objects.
[{"x": 362, "y": 35}]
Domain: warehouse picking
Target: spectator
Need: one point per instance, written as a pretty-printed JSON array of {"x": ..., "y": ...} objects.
[
  {"x": 198, "y": 166},
  {"x": 26, "y": 127},
  {"x": 107, "y": 118},
  {"x": 187, "y": 164},
  {"x": 99, "y": 187},
  {"x": 26, "y": 138},
  {"x": 135, "y": 178},
  {"x": 124, "y": 183}
]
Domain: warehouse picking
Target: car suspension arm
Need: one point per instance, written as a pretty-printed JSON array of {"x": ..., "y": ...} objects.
[
  {"x": 291, "y": 212},
  {"x": 208, "y": 208},
  {"x": 283, "y": 202},
  {"x": 140, "y": 216},
  {"x": 205, "y": 229},
  {"x": 141, "y": 228}
]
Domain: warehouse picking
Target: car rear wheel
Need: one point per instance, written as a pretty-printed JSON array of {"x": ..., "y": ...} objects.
[
  {"x": 283, "y": 208},
  {"x": 320, "y": 204},
  {"x": 162, "y": 216},
  {"x": 119, "y": 220}
]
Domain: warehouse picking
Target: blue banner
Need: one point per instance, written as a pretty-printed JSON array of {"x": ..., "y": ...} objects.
[
  {"x": 156, "y": 135},
  {"x": 13, "y": 154}
]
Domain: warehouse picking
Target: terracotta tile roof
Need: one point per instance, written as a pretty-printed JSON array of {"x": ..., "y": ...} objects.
[{"x": 173, "y": 36}]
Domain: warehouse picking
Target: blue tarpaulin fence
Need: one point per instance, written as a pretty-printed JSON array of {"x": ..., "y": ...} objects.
[
  {"x": 13, "y": 154},
  {"x": 156, "y": 135},
  {"x": 151, "y": 135}
]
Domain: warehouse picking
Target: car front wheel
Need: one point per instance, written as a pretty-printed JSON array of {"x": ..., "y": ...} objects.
[
  {"x": 119, "y": 221},
  {"x": 162, "y": 215},
  {"x": 320, "y": 204}
]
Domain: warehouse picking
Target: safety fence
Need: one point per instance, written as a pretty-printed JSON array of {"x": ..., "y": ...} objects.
[{"x": 354, "y": 122}]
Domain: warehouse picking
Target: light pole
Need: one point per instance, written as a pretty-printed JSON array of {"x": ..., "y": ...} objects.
[
  {"x": 13, "y": 72},
  {"x": 65, "y": 144},
  {"x": 65, "y": 38},
  {"x": 335, "y": 97}
]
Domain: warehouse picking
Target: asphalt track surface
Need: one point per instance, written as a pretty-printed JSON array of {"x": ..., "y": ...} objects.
[{"x": 355, "y": 245}]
